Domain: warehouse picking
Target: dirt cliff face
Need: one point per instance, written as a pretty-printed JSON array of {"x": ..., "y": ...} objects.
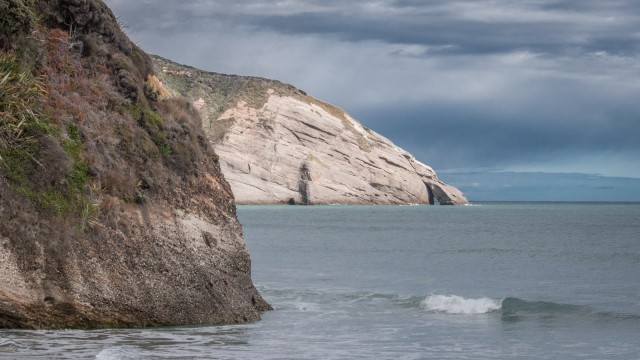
[
  {"x": 279, "y": 145},
  {"x": 113, "y": 208}
]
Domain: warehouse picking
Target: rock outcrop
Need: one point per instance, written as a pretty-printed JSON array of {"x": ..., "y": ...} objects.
[
  {"x": 113, "y": 208},
  {"x": 279, "y": 145}
]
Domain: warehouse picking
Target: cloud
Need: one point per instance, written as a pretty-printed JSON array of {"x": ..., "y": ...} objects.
[
  {"x": 448, "y": 136},
  {"x": 486, "y": 84},
  {"x": 454, "y": 26}
]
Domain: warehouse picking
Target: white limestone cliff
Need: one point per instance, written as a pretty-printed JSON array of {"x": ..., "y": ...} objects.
[
  {"x": 293, "y": 151},
  {"x": 278, "y": 145}
]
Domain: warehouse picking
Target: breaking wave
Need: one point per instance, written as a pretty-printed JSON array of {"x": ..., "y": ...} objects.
[
  {"x": 514, "y": 309},
  {"x": 453, "y": 304},
  {"x": 510, "y": 306},
  {"x": 115, "y": 354}
]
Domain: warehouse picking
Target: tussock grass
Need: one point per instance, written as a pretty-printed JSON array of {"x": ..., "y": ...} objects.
[
  {"x": 20, "y": 93},
  {"x": 155, "y": 90},
  {"x": 42, "y": 161}
]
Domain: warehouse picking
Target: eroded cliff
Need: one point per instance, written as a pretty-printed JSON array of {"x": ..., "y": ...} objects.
[
  {"x": 113, "y": 208},
  {"x": 279, "y": 145}
]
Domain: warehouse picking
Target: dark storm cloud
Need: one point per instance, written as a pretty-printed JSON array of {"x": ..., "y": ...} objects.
[
  {"x": 474, "y": 135},
  {"x": 452, "y": 36},
  {"x": 461, "y": 27},
  {"x": 476, "y": 83},
  {"x": 418, "y": 31}
]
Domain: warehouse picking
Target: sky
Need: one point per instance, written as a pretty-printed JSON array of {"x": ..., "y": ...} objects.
[{"x": 499, "y": 91}]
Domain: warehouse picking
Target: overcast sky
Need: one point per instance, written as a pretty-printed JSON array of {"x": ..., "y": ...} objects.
[{"x": 466, "y": 86}]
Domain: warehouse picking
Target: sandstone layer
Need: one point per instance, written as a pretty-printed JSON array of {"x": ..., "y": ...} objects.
[
  {"x": 113, "y": 209},
  {"x": 279, "y": 145}
]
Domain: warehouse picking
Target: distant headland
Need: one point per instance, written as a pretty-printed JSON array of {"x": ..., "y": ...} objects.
[{"x": 279, "y": 145}]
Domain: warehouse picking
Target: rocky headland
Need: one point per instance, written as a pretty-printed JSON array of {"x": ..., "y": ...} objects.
[
  {"x": 113, "y": 209},
  {"x": 279, "y": 145}
]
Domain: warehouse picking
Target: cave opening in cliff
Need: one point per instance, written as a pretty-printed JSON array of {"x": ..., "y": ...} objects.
[{"x": 431, "y": 197}]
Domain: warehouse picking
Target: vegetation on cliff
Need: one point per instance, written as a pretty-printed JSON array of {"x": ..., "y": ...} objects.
[
  {"x": 221, "y": 92},
  {"x": 60, "y": 82},
  {"x": 89, "y": 152}
]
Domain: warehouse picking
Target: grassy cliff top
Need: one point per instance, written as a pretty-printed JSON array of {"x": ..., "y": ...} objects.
[{"x": 221, "y": 92}]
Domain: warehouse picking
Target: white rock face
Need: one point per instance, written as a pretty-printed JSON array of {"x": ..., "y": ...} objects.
[{"x": 296, "y": 151}]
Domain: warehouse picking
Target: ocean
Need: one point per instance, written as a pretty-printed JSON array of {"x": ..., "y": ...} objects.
[{"x": 487, "y": 281}]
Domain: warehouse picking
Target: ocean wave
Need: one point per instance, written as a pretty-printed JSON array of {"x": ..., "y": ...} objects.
[
  {"x": 514, "y": 306},
  {"x": 515, "y": 309},
  {"x": 8, "y": 345},
  {"x": 115, "y": 354},
  {"x": 453, "y": 304},
  {"x": 510, "y": 308}
]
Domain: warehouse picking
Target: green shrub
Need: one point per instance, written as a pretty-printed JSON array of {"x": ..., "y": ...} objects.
[
  {"x": 27, "y": 135},
  {"x": 17, "y": 18},
  {"x": 153, "y": 124}
]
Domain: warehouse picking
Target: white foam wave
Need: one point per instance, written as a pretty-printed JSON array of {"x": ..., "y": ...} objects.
[
  {"x": 453, "y": 304},
  {"x": 114, "y": 354}
]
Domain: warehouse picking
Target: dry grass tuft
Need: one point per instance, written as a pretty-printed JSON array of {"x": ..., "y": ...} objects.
[
  {"x": 156, "y": 89},
  {"x": 20, "y": 93}
]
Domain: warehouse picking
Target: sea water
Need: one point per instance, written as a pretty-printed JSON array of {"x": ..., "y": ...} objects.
[{"x": 489, "y": 281}]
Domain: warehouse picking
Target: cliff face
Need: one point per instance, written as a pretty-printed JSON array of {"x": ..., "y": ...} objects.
[
  {"x": 113, "y": 208},
  {"x": 279, "y": 145}
]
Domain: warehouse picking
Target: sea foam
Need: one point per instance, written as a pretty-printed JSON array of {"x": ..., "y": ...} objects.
[
  {"x": 114, "y": 354},
  {"x": 452, "y": 304}
]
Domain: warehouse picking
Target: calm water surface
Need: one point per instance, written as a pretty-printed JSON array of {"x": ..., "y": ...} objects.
[{"x": 492, "y": 281}]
